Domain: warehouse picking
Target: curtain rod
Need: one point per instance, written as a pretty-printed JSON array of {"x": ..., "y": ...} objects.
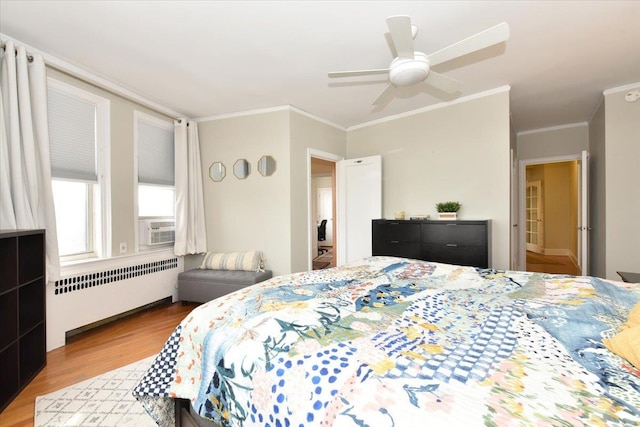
[{"x": 96, "y": 83}]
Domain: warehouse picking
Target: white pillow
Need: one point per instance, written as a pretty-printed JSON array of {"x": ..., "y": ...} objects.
[{"x": 246, "y": 261}]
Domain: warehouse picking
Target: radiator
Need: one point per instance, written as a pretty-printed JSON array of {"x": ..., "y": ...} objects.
[
  {"x": 85, "y": 281},
  {"x": 96, "y": 294}
]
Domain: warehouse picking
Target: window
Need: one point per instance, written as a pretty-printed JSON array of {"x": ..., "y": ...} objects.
[
  {"x": 156, "y": 183},
  {"x": 78, "y": 123}
]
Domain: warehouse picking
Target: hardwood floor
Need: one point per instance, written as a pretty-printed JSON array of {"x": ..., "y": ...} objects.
[
  {"x": 325, "y": 260},
  {"x": 95, "y": 352},
  {"x": 551, "y": 264}
]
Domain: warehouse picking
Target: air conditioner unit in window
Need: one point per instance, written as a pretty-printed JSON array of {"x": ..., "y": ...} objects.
[{"x": 157, "y": 231}]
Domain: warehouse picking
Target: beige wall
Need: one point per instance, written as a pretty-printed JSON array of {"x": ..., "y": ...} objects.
[
  {"x": 553, "y": 142},
  {"x": 622, "y": 186},
  {"x": 457, "y": 152},
  {"x": 269, "y": 214},
  {"x": 253, "y": 213},
  {"x": 307, "y": 133}
]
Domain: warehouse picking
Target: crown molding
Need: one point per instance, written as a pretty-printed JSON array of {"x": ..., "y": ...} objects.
[
  {"x": 242, "y": 113},
  {"x": 270, "y": 110},
  {"x": 317, "y": 118},
  {"x": 624, "y": 88},
  {"x": 552, "y": 128}
]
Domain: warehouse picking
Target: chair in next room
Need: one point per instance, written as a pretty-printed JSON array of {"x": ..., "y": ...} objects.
[{"x": 322, "y": 235}]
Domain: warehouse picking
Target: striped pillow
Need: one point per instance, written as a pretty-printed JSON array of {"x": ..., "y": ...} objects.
[{"x": 247, "y": 261}]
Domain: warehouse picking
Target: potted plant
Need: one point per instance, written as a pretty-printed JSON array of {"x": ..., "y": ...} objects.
[{"x": 448, "y": 210}]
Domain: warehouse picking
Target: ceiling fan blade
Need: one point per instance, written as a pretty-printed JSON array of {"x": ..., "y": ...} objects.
[
  {"x": 385, "y": 96},
  {"x": 483, "y": 39},
  {"x": 356, "y": 73},
  {"x": 442, "y": 82},
  {"x": 401, "y": 34}
]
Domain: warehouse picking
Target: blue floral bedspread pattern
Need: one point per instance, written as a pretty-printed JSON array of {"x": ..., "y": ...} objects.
[{"x": 389, "y": 341}]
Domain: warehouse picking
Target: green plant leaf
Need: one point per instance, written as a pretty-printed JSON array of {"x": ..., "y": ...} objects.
[{"x": 448, "y": 206}]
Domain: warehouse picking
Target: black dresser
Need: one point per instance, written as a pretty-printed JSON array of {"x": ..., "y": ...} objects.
[{"x": 450, "y": 242}]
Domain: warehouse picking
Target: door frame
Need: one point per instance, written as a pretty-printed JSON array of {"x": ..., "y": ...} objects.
[
  {"x": 311, "y": 223},
  {"x": 522, "y": 177}
]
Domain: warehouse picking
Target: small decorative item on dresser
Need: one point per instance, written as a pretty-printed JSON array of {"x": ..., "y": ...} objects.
[
  {"x": 448, "y": 210},
  {"x": 400, "y": 215},
  {"x": 419, "y": 217}
]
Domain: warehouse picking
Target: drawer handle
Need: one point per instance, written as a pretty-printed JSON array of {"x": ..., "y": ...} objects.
[
  {"x": 395, "y": 241},
  {"x": 455, "y": 225},
  {"x": 452, "y": 245}
]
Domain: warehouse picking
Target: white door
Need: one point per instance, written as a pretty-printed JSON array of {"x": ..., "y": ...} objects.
[
  {"x": 514, "y": 212},
  {"x": 583, "y": 223},
  {"x": 534, "y": 217},
  {"x": 359, "y": 188}
]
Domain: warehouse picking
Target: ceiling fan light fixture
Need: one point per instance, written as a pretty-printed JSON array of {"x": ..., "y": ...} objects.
[
  {"x": 407, "y": 71},
  {"x": 410, "y": 68}
]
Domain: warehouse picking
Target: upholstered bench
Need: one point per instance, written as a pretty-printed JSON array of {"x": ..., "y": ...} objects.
[{"x": 203, "y": 285}]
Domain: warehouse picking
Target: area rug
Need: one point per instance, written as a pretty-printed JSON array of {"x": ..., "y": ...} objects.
[{"x": 105, "y": 400}]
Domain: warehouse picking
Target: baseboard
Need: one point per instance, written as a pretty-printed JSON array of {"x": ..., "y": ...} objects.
[{"x": 85, "y": 328}]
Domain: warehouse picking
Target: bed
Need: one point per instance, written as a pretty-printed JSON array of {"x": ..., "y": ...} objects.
[{"x": 398, "y": 342}]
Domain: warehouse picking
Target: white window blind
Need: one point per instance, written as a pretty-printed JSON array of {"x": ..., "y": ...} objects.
[
  {"x": 72, "y": 137},
  {"x": 155, "y": 155}
]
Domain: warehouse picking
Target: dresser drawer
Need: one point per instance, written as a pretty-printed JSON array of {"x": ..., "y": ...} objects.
[
  {"x": 395, "y": 248},
  {"x": 455, "y": 233},
  {"x": 451, "y": 253},
  {"x": 396, "y": 231}
]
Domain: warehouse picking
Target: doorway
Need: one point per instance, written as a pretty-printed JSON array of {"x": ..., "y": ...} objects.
[
  {"x": 323, "y": 208},
  {"x": 552, "y": 214}
]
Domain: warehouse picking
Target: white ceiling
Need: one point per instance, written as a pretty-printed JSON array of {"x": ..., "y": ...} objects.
[{"x": 208, "y": 58}]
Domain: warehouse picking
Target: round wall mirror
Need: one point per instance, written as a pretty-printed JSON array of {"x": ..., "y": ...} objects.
[
  {"x": 217, "y": 171},
  {"x": 266, "y": 165},
  {"x": 241, "y": 169}
]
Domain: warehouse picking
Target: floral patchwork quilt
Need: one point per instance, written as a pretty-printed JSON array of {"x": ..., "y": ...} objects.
[{"x": 397, "y": 342}]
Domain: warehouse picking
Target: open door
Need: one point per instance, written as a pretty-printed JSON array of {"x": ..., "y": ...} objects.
[
  {"x": 514, "y": 264},
  {"x": 534, "y": 217},
  {"x": 359, "y": 193},
  {"x": 583, "y": 224}
]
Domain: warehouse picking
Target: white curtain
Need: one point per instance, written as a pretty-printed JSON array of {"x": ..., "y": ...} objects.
[
  {"x": 26, "y": 198},
  {"x": 191, "y": 236}
]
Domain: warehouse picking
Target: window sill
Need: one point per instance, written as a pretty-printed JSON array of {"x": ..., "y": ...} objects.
[{"x": 75, "y": 267}]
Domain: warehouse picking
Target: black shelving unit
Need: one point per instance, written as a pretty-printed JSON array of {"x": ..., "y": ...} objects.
[{"x": 23, "y": 350}]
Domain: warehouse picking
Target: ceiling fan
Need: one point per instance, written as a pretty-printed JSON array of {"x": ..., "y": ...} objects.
[{"x": 411, "y": 67}]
